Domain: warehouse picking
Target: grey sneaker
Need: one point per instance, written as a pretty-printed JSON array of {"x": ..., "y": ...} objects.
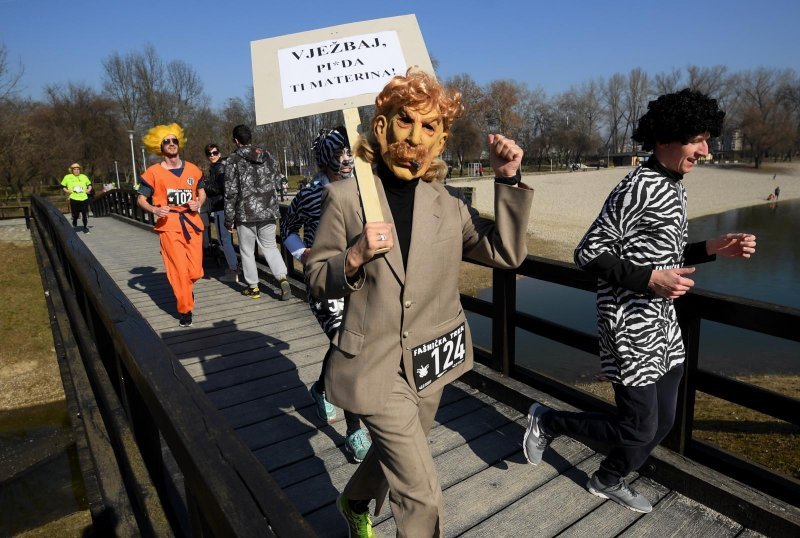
[
  {"x": 357, "y": 444},
  {"x": 620, "y": 493},
  {"x": 536, "y": 439},
  {"x": 286, "y": 290}
]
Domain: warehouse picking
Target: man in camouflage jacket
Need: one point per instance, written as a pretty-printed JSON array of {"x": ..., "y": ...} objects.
[{"x": 252, "y": 179}]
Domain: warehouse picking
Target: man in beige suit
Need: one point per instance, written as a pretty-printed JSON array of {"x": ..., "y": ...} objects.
[{"x": 404, "y": 335}]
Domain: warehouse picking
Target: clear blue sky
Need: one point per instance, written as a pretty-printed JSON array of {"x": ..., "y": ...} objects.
[{"x": 552, "y": 44}]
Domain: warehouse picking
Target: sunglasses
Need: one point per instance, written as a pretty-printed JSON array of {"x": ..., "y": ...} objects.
[
  {"x": 212, "y": 153},
  {"x": 169, "y": 141}
]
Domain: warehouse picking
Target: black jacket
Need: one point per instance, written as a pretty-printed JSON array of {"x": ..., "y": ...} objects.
[{"x": 215, "y": 186}]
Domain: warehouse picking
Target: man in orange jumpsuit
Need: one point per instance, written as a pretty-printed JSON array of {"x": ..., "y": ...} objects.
[{"x": 175, "y": 189}]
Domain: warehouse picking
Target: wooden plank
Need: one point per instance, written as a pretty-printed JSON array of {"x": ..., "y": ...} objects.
[
  {"x": 749, "y": 533},
  {"x": 610, "y": 519},
  {"x": 293, "y": 458},
  {"x": 492, "y": 504},
  {"x": 226, "y": 375},
  {"x": 679, "y": 516}
]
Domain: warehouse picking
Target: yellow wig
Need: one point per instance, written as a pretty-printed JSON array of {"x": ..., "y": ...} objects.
[{"x": 152, "y": 140}]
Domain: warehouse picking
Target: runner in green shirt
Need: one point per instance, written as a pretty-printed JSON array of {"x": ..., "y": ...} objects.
[{"x": 78, "y": 187}]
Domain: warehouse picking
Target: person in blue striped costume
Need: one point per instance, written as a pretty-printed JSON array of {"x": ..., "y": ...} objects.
[
  {"x": 335, "y": 162},
  {"x": 638, "y": 248}
]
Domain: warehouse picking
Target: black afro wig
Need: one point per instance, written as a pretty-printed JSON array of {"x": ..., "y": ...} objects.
[{"x": 677, "y": 117}]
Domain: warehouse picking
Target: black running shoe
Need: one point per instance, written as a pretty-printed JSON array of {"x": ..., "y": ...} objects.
[{"x": 186, "y": 320}]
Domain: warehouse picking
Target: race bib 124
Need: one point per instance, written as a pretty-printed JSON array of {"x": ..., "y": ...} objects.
[{"x": 433, "y": 359}]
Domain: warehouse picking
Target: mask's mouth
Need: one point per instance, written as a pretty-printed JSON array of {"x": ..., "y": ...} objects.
[{"x": 406, "y": 155}]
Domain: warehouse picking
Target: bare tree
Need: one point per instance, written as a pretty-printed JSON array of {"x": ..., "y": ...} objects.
[
  {"x": 184, "y": 90},
  {"x": 466, "y": 136},
  {"x": 9, "y": 78},
  {"x": 612, "y": 96},
  {"x": 635, "y": 98},
  {"x": 765, "y": 116},
  {"x": 534, "y": 111},
  {"x": 20, "y": 166},
  {"x": 502, "y": 110},
  {"x": 667, "y": 82},
  {"x": 712, "y": 81},
  {"x": 149, "y": 78},
  {"x": 119, "y": 83},
  {"x": 80, "y": 125}
]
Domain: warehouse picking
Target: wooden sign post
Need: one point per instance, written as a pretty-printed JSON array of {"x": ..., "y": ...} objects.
[{"x": 337, "y": 68}]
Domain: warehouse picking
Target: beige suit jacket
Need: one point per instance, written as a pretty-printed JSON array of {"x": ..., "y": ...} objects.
[{"x": 390, "y": 309}]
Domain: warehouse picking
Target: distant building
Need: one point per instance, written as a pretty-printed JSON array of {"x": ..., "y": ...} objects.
[
  {"x": 629, "y": 158},
  {"x": 735, "y": 141}
]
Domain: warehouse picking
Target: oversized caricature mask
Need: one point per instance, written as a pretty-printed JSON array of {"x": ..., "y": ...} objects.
[
  {"x": 413, "y": 115},
  {"x": 409, "y": 139}
]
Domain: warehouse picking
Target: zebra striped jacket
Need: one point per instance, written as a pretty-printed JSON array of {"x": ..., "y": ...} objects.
[
  {"x": 304, "y": 212},
  {"x": 642, "y": 227}
]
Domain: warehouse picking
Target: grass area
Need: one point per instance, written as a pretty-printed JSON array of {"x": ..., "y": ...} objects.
[
  {"x": 28, "y": 369},
  {"x": 32, "y": 400}
]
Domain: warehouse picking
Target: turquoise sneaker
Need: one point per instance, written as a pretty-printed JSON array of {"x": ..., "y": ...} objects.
[
  {"x": 358, "y": 525},
  {"x": 357, "y": 444},
  {"x": 325, "y": 409}
]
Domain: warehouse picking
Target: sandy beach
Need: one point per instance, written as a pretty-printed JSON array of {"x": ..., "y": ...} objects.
[{"x": 565, "y": 204}]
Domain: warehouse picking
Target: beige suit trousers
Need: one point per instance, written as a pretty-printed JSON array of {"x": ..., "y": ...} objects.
[{"x": 400, "y": 460}]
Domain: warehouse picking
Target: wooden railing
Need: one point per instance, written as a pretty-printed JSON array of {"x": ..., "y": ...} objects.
[
  {"x": 161, "y": 459},
  {"x": 15, "y": 212}
]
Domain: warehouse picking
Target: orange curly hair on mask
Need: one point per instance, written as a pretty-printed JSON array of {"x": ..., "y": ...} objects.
[
  {"x": 419, "y": 90},
  {"x": 152, "y": 140}
]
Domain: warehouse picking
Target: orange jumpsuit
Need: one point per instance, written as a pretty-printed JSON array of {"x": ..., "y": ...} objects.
[{"x": 180, "y": 232}]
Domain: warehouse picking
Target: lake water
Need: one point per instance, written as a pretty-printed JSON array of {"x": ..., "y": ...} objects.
[{"x": 772, "y": 275}]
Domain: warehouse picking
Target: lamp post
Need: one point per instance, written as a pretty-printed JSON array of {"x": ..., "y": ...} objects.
[
  {"x": 285, "y": 164},
  {"x": 116, "y": 169},
  {"x": 133, "y": 159},
  {"x": 144, "y": 160}
]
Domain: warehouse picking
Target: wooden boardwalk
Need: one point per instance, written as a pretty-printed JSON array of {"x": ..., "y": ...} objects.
[{"x": 255, "y": 360}]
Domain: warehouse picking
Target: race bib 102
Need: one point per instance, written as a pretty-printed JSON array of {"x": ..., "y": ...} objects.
[
  {"x": 179, "y": 197},
  {"x": 435, "y": 358}
]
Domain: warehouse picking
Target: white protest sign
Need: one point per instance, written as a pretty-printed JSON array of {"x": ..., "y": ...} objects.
[
  {"x": 337, "y": 68},
  {"x": 333, "y": 68}
]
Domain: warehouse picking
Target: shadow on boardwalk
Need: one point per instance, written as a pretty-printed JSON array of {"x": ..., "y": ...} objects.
[{"x": 262, "y": 392}]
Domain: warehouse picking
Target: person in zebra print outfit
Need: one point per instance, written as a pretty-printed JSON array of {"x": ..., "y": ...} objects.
[
  {"x": 638, "y": 249},
  {"x": 335, "y": 162}
]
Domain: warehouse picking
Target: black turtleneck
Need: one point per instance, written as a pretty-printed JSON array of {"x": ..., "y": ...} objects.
[
  {"x": 653, "y": 164},
  {"x": 400, "y": 196}
]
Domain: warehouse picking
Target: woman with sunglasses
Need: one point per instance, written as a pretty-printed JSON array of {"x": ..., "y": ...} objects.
[{"x": 215, "y": 189}]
